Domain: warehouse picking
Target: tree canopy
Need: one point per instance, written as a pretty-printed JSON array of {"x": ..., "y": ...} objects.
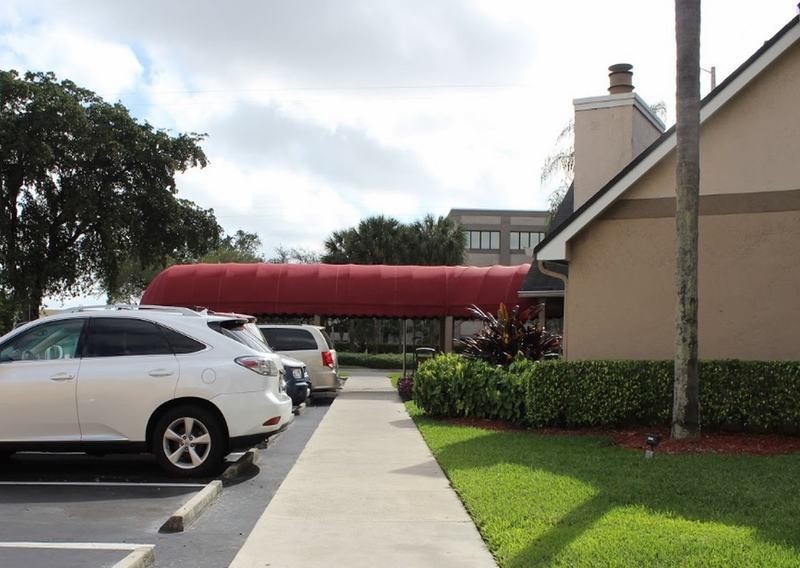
[
  {"x": 385, "y": 240},
  {"x": 239, "y": 247},
  {"x": 294, "y": 255},
  {"x": 85, "y": 189}
]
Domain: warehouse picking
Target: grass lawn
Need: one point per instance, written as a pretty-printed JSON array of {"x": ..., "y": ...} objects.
[
  {"x": 394, "y": 377},
  {"x": 577, "y": 501}
]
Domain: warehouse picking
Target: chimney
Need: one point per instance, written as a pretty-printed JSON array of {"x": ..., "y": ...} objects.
[
  {"x": 620, "y": 78},
  {"x": 610, "y": 131}
]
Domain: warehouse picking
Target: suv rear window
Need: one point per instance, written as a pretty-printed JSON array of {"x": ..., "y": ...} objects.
[
  {"x": 180, "y": 343},
  {"x": 327, "y": 338},
  {"x": 238, "y": 332},
  {"x": 286, "y": 339}
]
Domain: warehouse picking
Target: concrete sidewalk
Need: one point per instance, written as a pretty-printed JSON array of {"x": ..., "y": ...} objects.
[{"x": 366, "y": 491}]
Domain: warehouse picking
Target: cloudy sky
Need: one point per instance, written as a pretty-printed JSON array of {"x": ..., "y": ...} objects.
[{"x": 321, "y": 112}]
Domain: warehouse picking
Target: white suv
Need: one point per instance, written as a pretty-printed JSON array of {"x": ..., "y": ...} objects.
[{"x": 122, "y": 378}]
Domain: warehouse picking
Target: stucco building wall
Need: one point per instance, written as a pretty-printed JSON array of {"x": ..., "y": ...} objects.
[{"x": 620, "y": 295}]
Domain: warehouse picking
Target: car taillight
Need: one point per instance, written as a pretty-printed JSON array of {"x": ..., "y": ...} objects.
[
  {"x": 260, "y": 365},
  {"x": 327, "y": 359}
]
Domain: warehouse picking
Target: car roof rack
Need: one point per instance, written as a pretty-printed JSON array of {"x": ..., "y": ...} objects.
[{"x": 134, "y": 307}]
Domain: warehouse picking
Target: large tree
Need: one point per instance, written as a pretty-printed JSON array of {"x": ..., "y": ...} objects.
[
  {"x": 209, "y": 246},
  {"x": 240, "y": 247},
  {"x": 439, "y": 241},
  {"x": 686, "y": 408},
  {"x": 189, "y": 233},
  {"x": 84, "y": 188},
  {"x": 384, "y": 240},
  {"x": 294, "y": 255}
]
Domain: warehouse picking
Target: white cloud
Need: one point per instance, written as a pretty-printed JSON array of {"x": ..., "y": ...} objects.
[
  {"x": 109, "y": 68},
  {"x": 282, "y": 206}
]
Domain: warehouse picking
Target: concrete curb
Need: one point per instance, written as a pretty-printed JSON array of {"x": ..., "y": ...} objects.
[
  {"x": 250, "y": 458},
  {"x": 193, "y": 508},
  {"x": 142, "y": 557}
]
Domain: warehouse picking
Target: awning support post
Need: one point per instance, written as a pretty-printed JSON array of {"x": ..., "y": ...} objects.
[
  {"x": 543, "y": 313},
  {"x": 448, "y": 334},
  {"x": 404, "y": 332}
]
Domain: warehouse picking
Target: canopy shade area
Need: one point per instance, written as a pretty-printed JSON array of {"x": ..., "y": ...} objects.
[{"x": 339, "y": 290}]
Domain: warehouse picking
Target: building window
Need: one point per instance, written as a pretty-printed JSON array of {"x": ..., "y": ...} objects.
[
  {"x": 482, "y": 240},
  {"x": 521, "y": 240}
]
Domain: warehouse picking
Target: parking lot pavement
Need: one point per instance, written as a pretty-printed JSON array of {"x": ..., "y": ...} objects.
[
  {"x": 133, "y": 468},
  {"x": 82, "y": 499},
  {"x": 216, "y": 537},
  {"x": 87, "y": 513}
]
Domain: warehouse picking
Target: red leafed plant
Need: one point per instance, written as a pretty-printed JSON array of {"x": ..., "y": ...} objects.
[{"x": 510, "y": 335}]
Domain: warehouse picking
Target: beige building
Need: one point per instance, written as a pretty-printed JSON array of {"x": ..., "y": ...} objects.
[
  {"x": 496, "y": 236},
  {"x": 508, "y": 237},
  {"x": 617, "y": 244}
]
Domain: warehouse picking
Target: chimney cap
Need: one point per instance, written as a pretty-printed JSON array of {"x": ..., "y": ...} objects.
[
  {"x": 620, "y": 78},
  {"x": 620, "y": 68}
]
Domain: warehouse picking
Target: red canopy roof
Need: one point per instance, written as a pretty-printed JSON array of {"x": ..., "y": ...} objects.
[{"x": 338, "y": 289}]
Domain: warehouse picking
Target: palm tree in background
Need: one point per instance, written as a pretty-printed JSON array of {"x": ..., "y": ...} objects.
[
  {"x": 385, "y": 240},
  {"x": 439, "y": 241},
  {"x": 560, "y": 164}
]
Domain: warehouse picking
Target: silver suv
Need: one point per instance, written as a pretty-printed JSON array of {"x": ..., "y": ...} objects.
[{"x": 313, "y": 346}]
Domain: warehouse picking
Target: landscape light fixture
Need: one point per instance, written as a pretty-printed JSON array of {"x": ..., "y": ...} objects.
[{"x": 651, "y": 441}]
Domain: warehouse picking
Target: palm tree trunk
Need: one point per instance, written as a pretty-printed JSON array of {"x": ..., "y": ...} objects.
[{"x": 686, "y": 405}]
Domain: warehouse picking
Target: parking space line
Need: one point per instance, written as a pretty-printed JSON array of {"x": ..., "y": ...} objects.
[
  {"x": 138, "y": 555},
  {"x": 99, "y": 484},
  {"x": 76, "y": 545}
]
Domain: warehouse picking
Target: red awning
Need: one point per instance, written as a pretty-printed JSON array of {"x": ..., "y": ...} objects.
[{"x": 338, "y": 289}]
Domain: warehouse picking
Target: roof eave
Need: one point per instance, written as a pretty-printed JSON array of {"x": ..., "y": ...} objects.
[
  {"x": 541, "y": 293},
  {"x": 554, "y": 247}
]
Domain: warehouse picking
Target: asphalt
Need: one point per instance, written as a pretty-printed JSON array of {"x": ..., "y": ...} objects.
[
  {"x": 35, "y": 558},
  {"x": 59, "y": 498},
  {"x": 215, "y": 538},
  {"x": 366, "y": 491}
]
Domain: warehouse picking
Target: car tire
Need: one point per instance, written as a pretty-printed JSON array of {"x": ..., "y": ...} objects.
[{"x": 189, "y": 441}]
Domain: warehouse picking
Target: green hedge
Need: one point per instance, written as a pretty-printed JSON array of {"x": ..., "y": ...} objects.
[
  {"x": 598, "y": 393},
  {"x": 374, "y": 361},
  {"x": 451, "y": 385},
  {"x": 757, "y": 396},
  {"x": 394, "y": 348}
]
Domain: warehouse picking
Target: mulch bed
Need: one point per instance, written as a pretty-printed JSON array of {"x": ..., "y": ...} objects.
[{"x": 633, "y": 439}]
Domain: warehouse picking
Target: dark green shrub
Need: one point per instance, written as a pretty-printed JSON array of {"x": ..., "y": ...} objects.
[
  {"x": 758, "y": 396},
  {"x": 755, "y": 396},
  {"x": 599, "y": 393},
  {"x": 454, "y": 386},
  {"x": 374, "y": 361},
  {"x": 394, "y": 348}
]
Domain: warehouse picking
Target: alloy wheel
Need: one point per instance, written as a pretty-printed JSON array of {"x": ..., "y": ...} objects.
[{"x": 187, "y": 443}]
